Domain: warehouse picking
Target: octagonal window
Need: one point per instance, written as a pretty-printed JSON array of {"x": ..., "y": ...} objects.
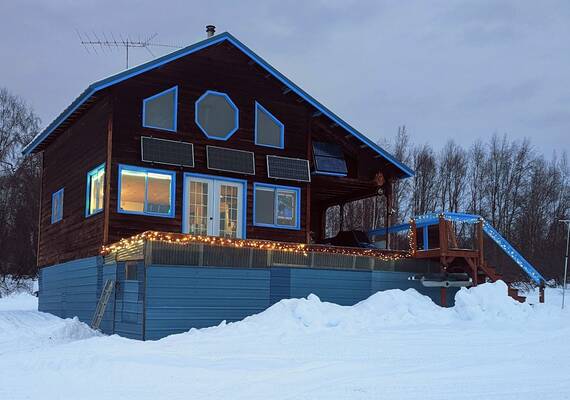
[{"x": 217, "y": 115}]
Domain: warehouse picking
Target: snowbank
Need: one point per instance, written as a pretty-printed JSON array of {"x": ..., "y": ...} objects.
[{"x": 395, "y": 344}]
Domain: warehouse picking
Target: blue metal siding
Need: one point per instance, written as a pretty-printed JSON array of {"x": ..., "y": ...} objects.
[
  {"x": 336, "y": 286},
  {"x": 70, "y": 289},
  {"x": 400, "y": 280},
  {"x": 108, "y": 271},
  {"x": 280, "y": 284},
  {"x": 179, "y": 298},
  {"x": 129, "y": 307}
]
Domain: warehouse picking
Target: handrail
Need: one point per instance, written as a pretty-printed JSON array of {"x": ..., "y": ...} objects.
[{"x": 433, "y": 219}]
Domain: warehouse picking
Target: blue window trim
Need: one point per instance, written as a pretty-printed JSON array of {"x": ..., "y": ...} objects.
[
  {"x": 152, "y": 170},
  {"x": 259, "y": 107},
  {"x": 94, "y": 171},
  {"x": 216, "y": 178},
  {"x": 57, "y": 201},
  {"x": 297, "y": 190},
  {"x": 175, "y": 89},
  {"x": 232, "y": 104}
]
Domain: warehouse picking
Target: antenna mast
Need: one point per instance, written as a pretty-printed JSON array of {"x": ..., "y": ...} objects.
[{"x": 93, "y": 41}]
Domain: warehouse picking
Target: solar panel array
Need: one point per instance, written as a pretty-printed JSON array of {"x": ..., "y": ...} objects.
[
  {"x": 294, "y": 169},
  {"x": 163, "y": 151},
  {"x": 329, "y": 158},
  {"x": 230, "y": 160}
]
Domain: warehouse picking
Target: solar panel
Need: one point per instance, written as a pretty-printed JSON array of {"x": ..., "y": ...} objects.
[
  {"x": 163, "y": 151},
  {"x": 329, "y": 158},
  {"x": 230, "y": 160},
  {"x": 327, "y": 149},
  {"x": 294, "y": 169}
]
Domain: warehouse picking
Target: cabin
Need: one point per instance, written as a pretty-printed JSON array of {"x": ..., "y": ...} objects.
[{"x": 193, "y": 189}]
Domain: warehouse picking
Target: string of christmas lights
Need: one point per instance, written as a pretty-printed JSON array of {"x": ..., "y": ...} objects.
[{"x": 298, "y": 248}]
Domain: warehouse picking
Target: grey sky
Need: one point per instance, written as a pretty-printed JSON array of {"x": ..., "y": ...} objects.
[{"x": 445, "y": 69}]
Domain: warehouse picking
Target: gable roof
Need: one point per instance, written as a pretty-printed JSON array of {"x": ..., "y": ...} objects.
[{"x": 225, "y": 36}]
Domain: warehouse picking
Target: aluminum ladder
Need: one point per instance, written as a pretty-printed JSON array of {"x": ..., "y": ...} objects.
[{"x": 102, "y": 304}]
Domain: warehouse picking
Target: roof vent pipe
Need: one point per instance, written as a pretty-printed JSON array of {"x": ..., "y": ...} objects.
[{"x": 210, "y": 30}]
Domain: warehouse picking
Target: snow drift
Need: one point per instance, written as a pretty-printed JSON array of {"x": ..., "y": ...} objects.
[{"x": 395, "y": 344}]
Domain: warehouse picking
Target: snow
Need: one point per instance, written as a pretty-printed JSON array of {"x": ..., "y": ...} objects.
[{"x": 394, "y": 345}]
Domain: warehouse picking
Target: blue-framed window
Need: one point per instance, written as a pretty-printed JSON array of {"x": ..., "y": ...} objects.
[
  {"x": 269, "y": 131},
  {"x": 95, "y": 192},
  {"x": 57, "y": 206},
  {"x": 216, "y": 115},
  {"x": 160, "y": 111},
  {"x": 276, "y": 206},
  {"x": 146, "y": 191}
]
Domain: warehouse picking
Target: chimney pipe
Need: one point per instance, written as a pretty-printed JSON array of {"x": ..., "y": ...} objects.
[{"x": 210, "y": 30}]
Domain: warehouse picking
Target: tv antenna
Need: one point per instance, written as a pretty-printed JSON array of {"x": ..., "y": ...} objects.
[{"x": 94, "y": 43}]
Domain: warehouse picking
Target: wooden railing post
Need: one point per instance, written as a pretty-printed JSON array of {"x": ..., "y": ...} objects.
[
  {"x": 480, "y": 245},
  {"x": 443, "y": 245},
  {"x": 413, "y": 238}
]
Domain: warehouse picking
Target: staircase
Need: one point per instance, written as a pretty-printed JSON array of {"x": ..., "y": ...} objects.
[
  {"x": 446, "y": 250},
  {"x": 488, "y": 271}
]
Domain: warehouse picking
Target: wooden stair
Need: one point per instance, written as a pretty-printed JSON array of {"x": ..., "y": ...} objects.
[{"x": 489, "y": 271}]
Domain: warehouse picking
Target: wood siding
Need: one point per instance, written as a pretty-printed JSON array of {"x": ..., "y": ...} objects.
[
  {"x": 224, "y": 69},
  {"x": 66, "y": 163}
]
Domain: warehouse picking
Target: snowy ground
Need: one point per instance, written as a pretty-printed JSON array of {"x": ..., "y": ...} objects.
[{"x": 395, "y": 345}]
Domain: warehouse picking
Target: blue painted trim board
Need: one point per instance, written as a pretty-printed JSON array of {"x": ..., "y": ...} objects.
[{"x": 112, "y": 80}]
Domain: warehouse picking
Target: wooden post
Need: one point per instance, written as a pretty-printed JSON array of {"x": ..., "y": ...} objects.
[
  {"x": 443, "y": 297},
  {"x": 389, "y": 198},
  {"x": 480, "y": 242},
  {"x": 541, "y": 292},
  {"x": 413, "y": 238},
  {"x": 107, "y": 193},
  {"x": 442, "y": 236}
]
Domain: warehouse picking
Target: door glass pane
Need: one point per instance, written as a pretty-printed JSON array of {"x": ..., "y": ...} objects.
[
  {"x": 286, "y": 208},
  {"x": 198, "y": 212},
  {"x": 228, "y": 212},
  {"x": 132, "y": 190},
  {"x": 158, "y": 195}
]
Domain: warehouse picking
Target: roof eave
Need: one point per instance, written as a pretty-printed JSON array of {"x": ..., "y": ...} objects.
[{"x": 99, "y": 85}]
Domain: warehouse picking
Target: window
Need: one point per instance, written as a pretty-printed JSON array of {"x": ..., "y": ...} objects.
[
  {"x": 146, "y": 191},
  {"x": 159, "y": 111},
  {"x": 217, "y": 115},
  {"x": 57, "y": 206},
  {"x": 269, "y": 131},
  {"x": 276, "y": 206},
  {"x": 329, "y": 159},
  {"x": 131, "y": 271},
  {"x": 95, "y": 190}
]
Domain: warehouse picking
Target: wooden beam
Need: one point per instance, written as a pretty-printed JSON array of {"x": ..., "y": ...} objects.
[{"x": 108, "y": 172}]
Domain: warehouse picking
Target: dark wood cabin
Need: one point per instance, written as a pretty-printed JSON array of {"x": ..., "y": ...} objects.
[{"x": 210, "y": 140}]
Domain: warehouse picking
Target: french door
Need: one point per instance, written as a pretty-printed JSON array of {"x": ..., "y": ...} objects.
[{"x": 213, "y": 207}]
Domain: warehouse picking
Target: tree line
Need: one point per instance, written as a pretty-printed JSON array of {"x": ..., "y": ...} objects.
[
  {"x": 19, "y": 189},
  {"x": 522, "y": 193}
]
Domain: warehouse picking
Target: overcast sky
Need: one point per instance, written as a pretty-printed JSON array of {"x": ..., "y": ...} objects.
[{"x": 445, "y": 69}]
